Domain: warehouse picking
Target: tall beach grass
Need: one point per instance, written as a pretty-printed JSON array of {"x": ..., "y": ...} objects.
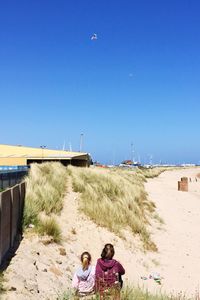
[
  {"x": 45, "y": 189},
  {"x": 116, "y": 199},
  {"x": 112, "y": 198},
  {"x": 152, "y": 172}
]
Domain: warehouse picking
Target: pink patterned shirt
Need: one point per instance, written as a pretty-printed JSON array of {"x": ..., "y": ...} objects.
[{"x": 84, "y": 286}]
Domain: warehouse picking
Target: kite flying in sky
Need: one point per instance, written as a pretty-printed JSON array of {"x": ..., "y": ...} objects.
[{"x": 94, "y": 36}]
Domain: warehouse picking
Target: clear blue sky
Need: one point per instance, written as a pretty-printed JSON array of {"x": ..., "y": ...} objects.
[{"x": 139, "y": 82}]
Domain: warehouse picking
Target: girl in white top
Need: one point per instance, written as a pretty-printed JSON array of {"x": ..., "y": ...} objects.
[{"x": 84, "y": 278}]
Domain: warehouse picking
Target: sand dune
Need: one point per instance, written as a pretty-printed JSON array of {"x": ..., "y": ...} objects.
[{"x": 41, "y": 271}]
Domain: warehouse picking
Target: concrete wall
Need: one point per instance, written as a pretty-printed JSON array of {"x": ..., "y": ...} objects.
[{"x": 11, "y": 212}]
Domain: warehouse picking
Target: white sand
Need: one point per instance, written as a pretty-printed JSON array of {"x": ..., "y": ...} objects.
[
  {"x": 179, "y": 244},
  {"x": 178, "y": 259}
]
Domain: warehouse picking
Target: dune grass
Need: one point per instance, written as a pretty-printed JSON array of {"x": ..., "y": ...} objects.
[
  {"x": 133, "y": 293},
  {"x": 152, "y": 172},
  {"x": 46, "y": 186},
  {"x": 115, "y": 193},
  {"x": 116, "y": 199},
  {"x": 50, "y": 227}
]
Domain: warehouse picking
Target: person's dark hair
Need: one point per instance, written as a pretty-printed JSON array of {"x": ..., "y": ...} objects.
[{"x": 108, "y": 251}]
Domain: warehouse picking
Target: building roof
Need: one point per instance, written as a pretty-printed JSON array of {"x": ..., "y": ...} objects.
[{"x": 7, "y": 151}]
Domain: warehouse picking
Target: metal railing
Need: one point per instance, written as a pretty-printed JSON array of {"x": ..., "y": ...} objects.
[{"x": 11, "y": 177}]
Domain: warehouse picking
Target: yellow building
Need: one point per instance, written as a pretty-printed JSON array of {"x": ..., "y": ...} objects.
[{"x": 22, "y": 156}]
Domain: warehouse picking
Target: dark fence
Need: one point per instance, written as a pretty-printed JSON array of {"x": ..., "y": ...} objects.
[
  {"x": 11, "y": 213},
  {"x": 10, "y": 178}
]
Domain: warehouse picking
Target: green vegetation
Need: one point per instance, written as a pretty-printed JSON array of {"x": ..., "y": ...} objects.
[
  {"x": 46, "y": 186},
  {"x": 115, "y": 193},
  {"x": 48, "y": 226},
  {"x": 152, "y": 172},
  {"x": 119, "y": 195},
  {"x": 132, "y": 293}
]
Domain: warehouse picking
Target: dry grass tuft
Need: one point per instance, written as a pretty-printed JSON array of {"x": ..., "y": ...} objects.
[
  {"x": 116, "y": 199},
  {"x": 48, "y": 226},
  {"x": 46, "y": 186},
  {"x": 132, "y": 293},
  {"x": 153, "y": 172}
]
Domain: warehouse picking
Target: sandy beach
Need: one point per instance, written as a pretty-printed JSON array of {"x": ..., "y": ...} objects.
[
  {"x": 179, "y": 242},
  {"x": 40, "y": 271}
]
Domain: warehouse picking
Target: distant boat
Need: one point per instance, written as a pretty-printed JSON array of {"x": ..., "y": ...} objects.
[{"x": 129, "y": 164}]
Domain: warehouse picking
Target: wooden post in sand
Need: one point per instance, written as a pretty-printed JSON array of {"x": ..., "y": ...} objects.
[{"x": 183, "y": 184}]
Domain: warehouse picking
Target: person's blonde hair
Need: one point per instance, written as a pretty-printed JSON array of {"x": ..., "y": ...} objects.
[{"x": 85, "y": 259}]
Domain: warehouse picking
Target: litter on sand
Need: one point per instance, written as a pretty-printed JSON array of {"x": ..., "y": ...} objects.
[{"x": 155, "y": 276}]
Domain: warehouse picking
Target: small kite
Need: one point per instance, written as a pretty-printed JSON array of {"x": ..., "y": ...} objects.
[{"x": 94, "y": 37}]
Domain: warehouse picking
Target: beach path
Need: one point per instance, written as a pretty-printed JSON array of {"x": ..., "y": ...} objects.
[{"x": 179, "y": 240}]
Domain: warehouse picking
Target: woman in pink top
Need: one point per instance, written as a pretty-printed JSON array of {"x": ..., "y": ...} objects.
[{"x": 84, "y": 278}]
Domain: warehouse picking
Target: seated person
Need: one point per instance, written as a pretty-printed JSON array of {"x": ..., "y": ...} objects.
[
  {"x": 84, "y": 278},
  {"x": 108, "y": 274}
]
